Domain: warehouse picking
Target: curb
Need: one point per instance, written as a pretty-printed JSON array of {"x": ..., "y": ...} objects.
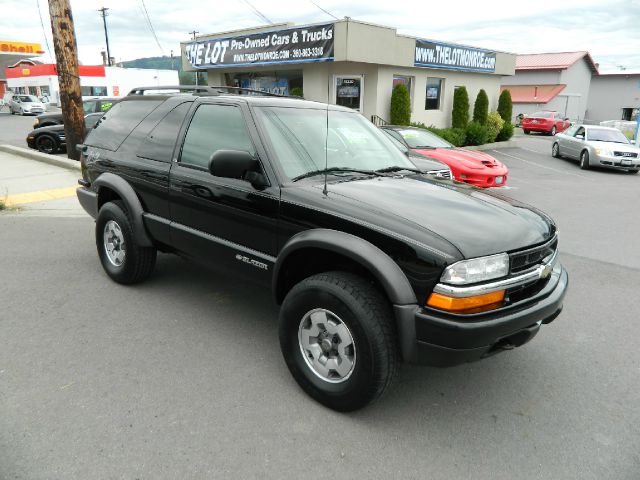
[
  {"x": 493, "y": 146},
  {"x": 41, "y": 157}
]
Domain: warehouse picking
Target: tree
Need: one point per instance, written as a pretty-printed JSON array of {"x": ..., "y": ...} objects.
[
  {"x": 460, "y": 112},
  {"x": 481, "y": 108},
  {"x": 400, "y": 105},
  {"x": 505, "y": 106}
]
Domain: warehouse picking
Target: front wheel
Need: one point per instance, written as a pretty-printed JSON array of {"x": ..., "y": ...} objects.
[
  {"x": 634, "y": 170},
  {"x": 46, "y": 144},
  {"x": 555, "y": 150},
  {"x": 338, "y": 339},
  {"x": 584, "y": 160},
  {"x": 122, "y": 258},
  {"x": 526, "y": 132},
  {"x": 553, "y": 131}
]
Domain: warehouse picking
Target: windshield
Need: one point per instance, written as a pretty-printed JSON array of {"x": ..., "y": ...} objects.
[
  {"x": 541, "y": 115},
  {"x": 27, "y": 98},
  {"x": 416, "y": 138},
  {"x": 606, "y": 135},
  {"x": 301, "y": 144}
]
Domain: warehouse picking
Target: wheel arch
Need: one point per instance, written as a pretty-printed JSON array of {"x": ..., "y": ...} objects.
[
  {"x": 317, "y": 250},
  {"x": 112, "y": 187}
]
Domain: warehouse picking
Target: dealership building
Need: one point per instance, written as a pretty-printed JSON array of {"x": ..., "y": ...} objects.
[{"x": 350, "y": 63}]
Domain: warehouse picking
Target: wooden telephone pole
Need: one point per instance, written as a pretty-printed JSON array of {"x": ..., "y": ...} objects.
[{"x": 66, "y": 48}]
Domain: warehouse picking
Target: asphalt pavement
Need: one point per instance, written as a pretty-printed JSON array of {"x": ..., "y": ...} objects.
[{"x": 182, "y": 376}]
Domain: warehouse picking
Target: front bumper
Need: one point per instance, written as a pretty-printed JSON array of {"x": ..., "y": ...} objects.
[
  {"x": 485, "y": 178},
  {"x": 429, "y": 337},
  {"x": 621, "y": 163}
]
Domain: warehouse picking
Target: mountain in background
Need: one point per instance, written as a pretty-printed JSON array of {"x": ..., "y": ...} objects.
[{"x": 167, "y": 63}]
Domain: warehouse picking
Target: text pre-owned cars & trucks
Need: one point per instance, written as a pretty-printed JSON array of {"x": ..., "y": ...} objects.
[{"x": 371, "y": 261}]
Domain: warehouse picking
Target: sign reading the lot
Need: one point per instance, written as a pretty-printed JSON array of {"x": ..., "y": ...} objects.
[
  {"x": 301, "y": 44},
  {"x": 453, "y": 57}
]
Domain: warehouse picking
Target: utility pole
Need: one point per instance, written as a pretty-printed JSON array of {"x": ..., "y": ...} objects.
[
  {"x": 193, "y": 36},
  {"x": 103, "y": 13},
  {"x": 66, "y": 48}
]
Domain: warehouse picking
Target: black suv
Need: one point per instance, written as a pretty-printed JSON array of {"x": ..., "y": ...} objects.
[{"x": 372, "y": 262}]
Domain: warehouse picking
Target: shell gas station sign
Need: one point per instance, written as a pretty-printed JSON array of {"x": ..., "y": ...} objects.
[{"x": 20, "y": 48}]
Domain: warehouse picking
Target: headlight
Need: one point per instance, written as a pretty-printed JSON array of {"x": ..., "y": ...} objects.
[
  {"x": 476, "y": 270},
  {"x": 606, "y": 153}
]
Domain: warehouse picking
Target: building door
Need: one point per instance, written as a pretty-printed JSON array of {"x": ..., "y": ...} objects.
[{"x": 349, "y": 91}]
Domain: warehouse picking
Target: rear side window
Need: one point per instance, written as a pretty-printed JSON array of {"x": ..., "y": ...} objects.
[
  {"x": 213, "y": 128},
  {"x": 158, "y": 145},
  {"x": 119, "y": 122}
]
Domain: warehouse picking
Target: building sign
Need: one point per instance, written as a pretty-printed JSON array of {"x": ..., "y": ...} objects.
[
  {"x": 453, "y": 57},
  {"x": 301, "y": 44},
  {"x": 20, "y": 47}
]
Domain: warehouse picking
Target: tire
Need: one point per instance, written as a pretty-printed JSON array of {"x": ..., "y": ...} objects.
[
  {"x": 12, "y": 112},
  {"x": 555, "y": 150},
  {"x": 634, "y": 170},
  {"x": 339, "y": 299},
  {"x": 584, "y": 160},
  {"x": 553, "y": 131},
  {"x": 526, "y": 132},
  {"x": 129, "y": 263},
  {"x": 47, "y": 144}
]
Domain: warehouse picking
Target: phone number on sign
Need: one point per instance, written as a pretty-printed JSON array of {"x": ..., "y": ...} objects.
[{"x": 307, "y": 52}]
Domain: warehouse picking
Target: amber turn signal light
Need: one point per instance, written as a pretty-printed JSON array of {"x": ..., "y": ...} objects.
[{"x": 461, "y": 304}]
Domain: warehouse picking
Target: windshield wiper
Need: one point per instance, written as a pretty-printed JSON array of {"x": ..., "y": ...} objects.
[
  {"x": 397, "y": 169},
  {"x": 333, "y": 170},
  {"x": 426, "y": 146}
]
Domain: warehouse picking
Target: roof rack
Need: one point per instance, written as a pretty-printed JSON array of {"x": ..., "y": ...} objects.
[{"x": 207, "y": 90}]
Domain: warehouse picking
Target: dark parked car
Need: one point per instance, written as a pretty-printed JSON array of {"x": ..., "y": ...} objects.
[
  {"x": 372, "y": 261},
  {"x": 90, "y": 105},
  {"x": 52, "y": 139}
]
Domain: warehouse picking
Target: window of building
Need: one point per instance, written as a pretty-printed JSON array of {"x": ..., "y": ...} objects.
[
  {"x": 159, "y": 143},
  {"x": 630, "y": 114},
  {"x": 93, "y": 91},
  {"x": 406, "y": 81},
  {"x": 213, "y": 128},
  {"x": 434, "y": 93}
]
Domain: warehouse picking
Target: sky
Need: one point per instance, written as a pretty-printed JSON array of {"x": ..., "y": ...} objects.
[{"x": 609, "y": 30}]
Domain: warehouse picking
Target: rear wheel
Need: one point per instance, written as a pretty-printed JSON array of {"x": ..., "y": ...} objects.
[
  {"x": 47, "y": 144},
  {"x": 526, "y": 132},
  {"x": 122, "y": 258},
  {"x": 584, "y": 160},
  {"x": 338, "y": 339},
  {"x": 555, "y": 150}
]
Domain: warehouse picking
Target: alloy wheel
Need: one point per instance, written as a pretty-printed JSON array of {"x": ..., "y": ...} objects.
[{"x": 114, "y": 244}]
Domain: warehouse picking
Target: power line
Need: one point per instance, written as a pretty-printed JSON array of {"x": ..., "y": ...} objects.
[
  {"x": 44, "y": 32},
  {"x": 325, "y": 11},
  {"x": 153, "y": 31},
  {"x": 257, "y": 12}
]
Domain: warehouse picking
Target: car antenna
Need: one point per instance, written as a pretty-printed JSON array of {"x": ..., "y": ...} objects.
[{"x": 326, "y": 144}]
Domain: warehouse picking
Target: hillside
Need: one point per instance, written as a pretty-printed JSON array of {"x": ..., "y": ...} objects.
[{"x": 167, "y": 63}]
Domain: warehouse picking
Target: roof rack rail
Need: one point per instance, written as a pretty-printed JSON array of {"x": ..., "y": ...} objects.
[{"x": 208, "y": 90}]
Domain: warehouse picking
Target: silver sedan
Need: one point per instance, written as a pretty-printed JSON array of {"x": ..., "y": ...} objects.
[{"x": 594, "y": 145}]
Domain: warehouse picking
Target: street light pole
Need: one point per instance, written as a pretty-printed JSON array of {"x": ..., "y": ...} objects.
[
  {"x": 193, "y": 36},
  {"x": 103, "y": 12}
]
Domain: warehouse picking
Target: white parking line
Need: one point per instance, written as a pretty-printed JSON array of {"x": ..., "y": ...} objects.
[
  {"x": 563, "y": 172},
  {"x": 535, "y": 151}
]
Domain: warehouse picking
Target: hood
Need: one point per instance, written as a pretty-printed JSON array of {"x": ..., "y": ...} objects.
[
  {"x": 618, "y": 147},
  {"x": 474, "y": 222},
  {"x": 427, "y": 164},
  {"x": 469, "y": 158}
]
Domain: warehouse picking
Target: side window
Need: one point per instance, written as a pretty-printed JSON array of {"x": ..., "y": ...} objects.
[
  {"x": 213, "y": 128},
  {"x": 571, "y": 131},
  {"x": 119, "y": 122},
  {"x": 395, "y": 135},
  {"x": 580, "y": 131},
  {"x": 89, "y": 107},
  {"x": 158, "y": 145}
]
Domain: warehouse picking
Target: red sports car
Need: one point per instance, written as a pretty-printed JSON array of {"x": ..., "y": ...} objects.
[
  {"x": 546, "y": 122},
  {"x": 475, "y": 168}
]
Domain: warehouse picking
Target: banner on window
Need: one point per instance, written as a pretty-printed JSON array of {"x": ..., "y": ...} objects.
[
  {"x": 453, "y": 57},
  {"x": 301, "y": 44}
]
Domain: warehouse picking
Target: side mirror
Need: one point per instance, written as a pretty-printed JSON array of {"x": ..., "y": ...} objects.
[
  {"x": 580, "y": 137},
  {"x": 237, "y": 164}
]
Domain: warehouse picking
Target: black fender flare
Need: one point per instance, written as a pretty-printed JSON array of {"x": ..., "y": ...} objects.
[
  {"x": 381, "y": 266},
  {"x": 131, "y": 201}
]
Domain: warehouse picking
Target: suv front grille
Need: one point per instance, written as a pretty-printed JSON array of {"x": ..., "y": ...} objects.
[{"x": 525, "y": 259}]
